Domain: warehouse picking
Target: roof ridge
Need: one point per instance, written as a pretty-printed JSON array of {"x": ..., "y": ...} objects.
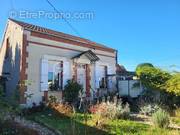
[{"x": 37, "y": 28}]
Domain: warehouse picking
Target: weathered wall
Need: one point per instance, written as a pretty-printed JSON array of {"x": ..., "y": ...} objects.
[
  {"x": 11, "y": 64},
  {"x": 38, "y": 47}
]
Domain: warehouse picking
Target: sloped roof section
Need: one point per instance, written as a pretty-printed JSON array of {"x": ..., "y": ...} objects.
[
  {"x": 43, "y": 30},
  {"x": 91, "y": 56}
]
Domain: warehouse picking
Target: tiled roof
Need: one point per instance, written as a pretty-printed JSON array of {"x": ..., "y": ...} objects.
[{"x": 43, "y": 30}]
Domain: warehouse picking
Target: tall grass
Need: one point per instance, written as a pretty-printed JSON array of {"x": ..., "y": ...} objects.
[{"x": 161, "y": 119}]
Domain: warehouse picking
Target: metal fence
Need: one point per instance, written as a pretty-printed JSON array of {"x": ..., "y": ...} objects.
[{"x": 132, "y": 88}]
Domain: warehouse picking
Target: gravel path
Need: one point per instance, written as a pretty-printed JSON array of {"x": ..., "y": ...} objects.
[{"x": 42, "y": 130}]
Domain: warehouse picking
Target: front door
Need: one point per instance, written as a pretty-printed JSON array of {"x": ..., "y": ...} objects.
[{"x": 81, "y": 75}]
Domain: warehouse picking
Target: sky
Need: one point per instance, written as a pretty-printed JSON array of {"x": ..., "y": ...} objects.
[{"x": 141, "y": 30}]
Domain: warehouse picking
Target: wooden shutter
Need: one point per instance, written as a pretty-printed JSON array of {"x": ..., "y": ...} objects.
[
  {"x": 110, "y": 79},
  {"x": 110, "y": 70},
  {"x": 97, "y": 76},
  {"x": 66, "y": 72},
  {"x": 44, "y": 75}
]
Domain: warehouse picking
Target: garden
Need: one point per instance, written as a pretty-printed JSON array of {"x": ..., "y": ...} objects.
[{"x": 155, "y": 112}]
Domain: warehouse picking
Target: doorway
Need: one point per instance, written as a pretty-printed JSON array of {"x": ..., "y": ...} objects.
[{"x": 81, "y": 76}]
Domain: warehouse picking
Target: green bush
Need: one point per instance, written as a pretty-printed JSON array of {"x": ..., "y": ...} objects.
[
  {"x": 71, "y": 91},
  {"x": 1, "y": 91},
  {"x": 161, "y": 119},
  {"x": 52, "y": 100},
  {"x": 9, "y": 106}
]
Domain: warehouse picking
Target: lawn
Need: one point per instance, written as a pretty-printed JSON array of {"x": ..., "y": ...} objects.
[{"x": 79, "y": 126}]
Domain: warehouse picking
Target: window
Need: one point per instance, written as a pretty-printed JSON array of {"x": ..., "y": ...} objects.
[
  {"x": 7, "y": 48},
  {"x": 103, "y": 77},
  {"x": 55, "y": 75}
]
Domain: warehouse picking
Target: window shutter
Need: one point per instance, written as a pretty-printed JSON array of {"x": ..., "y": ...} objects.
[
  {"x": 110, "y": 79},
  {"x": 110, "y": 70},
  {"x": 44, "y": 75},
  {"x": 66, "y": 72},
  {"x": 97, "y": 75}
]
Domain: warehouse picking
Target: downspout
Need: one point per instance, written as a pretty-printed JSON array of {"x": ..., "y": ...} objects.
[
  {"x": 116, "y": 56},
  {"x": 117, "y": 87},
  {"x": 128, "y": 89}
]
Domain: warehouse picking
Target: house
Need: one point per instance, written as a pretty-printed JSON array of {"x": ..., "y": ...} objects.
[
  {"x": 39, "y": 61},
  {"x": 123, "y": 74}
]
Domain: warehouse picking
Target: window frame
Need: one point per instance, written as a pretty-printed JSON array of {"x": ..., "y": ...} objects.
[{"x": 56, "y": 75}]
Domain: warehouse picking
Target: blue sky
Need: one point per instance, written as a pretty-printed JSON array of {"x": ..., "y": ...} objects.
[{"x": 141, "y": 30}]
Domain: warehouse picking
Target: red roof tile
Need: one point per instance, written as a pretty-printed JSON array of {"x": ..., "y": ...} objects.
[{"x": 43, "y": 30}]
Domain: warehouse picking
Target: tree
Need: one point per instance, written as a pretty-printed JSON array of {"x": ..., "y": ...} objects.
[
  {"x": 71, "y": 91},
  {"x": 152, "y": 77},
  {"x": 140, "y": 67},
  {"x": 161, "y": 86},
  {"x": 173, "y": 84}
]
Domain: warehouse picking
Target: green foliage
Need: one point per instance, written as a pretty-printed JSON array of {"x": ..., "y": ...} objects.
[
  {"x": 161, "y": 86},
  {"x": 71, "y": 91},
  {"x": 149, "y": 96},
  {"x": 141, "y": 66},
  {"x": 156, "y": 79},
  {"x": 109, "y": 127},
  {"x": 153, "y": 78},
  {"x": 173, "y": 84},
  {"x": 161, "y": 119},
  {"x": 52, "y": 100},
  {"x": 177, "y": 112},
  {"x": 3, "y": 105},
  {"x": 1, "y": 91},
  {"x": 9, "y": 106}
]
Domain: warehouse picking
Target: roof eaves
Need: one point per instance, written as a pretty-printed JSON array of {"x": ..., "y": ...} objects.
[{"x": 45, "y": 31}]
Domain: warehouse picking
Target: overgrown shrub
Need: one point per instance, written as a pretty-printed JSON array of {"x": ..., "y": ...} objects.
[
  {"x": 52, "y": 100},
  {"x": 177, "y": 113},
  {"x": 149, "y": 109},
  {"x": 161, "y": 119},
  {"x": 71, "y": 91},
  {"x": 1, "y": 91},
  {"x": 5, "y": 108},
  {"x": 123, "y": 112},
  {"x": 62, "y": 109},
  {"x": 111, "y": 110}
]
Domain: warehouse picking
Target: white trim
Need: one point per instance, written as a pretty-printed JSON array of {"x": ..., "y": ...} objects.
[
  {"x": 102, "y": 64},
  {"x": 54, "y": 57},
  {"x": 82, "y": 60}
]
